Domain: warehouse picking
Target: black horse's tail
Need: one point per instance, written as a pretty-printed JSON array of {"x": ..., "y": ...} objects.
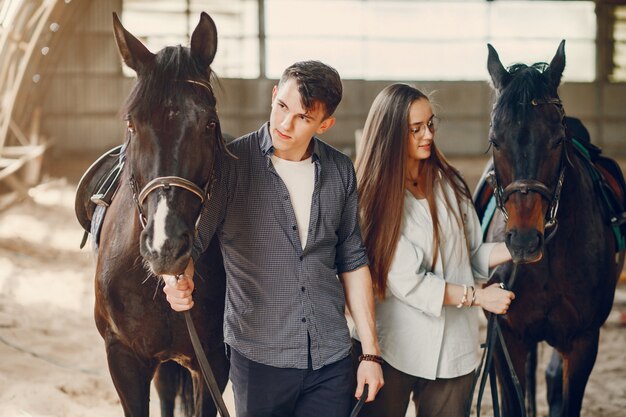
[{"x": 172, "y": 380}]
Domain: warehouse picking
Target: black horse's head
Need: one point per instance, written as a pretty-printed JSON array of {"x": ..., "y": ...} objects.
[
  {"x": 527, "y": 135},
  {"x": 172, "y": 140}
]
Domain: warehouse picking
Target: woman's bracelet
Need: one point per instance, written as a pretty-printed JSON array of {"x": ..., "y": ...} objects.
[
  {"x": 473, "y": 300},
  {"x": 464, "y": 299},
  {"x": 372, "y": 358}
]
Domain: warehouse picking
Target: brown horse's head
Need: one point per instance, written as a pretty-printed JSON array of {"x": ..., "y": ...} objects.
[
  {"x": 527, "y": 135},
  {"x": 172, "y": 140}
]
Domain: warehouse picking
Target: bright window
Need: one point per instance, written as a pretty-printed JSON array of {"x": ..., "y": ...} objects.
[
  {"x": 160, "y": 23},
  {"x": 424, "y": 40}
]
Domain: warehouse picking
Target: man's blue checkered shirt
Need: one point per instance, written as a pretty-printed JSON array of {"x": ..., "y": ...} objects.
[{"x": 276, "y": 291}]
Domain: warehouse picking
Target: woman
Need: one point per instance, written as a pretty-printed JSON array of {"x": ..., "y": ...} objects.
[{"x": 425, "y": 249}]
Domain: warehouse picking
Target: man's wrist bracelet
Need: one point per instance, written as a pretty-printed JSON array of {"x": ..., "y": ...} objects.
[{"x": 372, "y": 358}]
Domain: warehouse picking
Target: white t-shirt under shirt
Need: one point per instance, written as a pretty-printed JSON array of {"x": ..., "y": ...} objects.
[{"x": 299, "y": 178}]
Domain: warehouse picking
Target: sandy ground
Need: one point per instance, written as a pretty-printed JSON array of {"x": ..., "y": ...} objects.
[{"x": 52, "y": 358}]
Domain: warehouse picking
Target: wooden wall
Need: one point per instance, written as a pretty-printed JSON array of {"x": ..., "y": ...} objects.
[{"x": 81, "y": 107}]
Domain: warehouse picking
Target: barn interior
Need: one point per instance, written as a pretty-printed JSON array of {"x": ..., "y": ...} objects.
[{"x": 62, "y": 85}]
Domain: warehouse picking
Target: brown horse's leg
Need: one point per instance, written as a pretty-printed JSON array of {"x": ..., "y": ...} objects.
[
  {"x": 531, "y": 382},
  {"x": 131, "y": 378},
  {"x": 554, "y": 384},
  {"x": 518, "y": 352},
  {"x": 577, "y": 366}
]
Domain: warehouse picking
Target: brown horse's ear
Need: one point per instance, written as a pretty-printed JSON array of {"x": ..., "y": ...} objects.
[
  {"x": 557, "y": 65},
  {"x": 500, "y": 77},
  {"x": 204, "y": 40},
  {"x": 133, "y": 52}
]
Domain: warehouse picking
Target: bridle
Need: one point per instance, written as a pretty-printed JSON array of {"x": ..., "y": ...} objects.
[
  {"x": 167, "y": 182},
  {"x": 526, "y": 185}
]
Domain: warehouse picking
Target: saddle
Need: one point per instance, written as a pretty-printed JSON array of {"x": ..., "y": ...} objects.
[
  {"x": 608, "y": 181},
  {"x": 96, "y": 190}
]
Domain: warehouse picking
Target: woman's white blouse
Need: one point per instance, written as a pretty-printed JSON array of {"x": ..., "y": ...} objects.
[{"x": 417, "y": 334}]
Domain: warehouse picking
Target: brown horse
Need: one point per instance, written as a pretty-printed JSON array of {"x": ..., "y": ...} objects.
[
  {"x": 562, "y": 245},
  {"x": 172, "y": 139}
]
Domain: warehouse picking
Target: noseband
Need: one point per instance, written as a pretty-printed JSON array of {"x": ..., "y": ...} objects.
[
  {"x": 525, "y": 185},
  {"x": 166, "y": 183}
]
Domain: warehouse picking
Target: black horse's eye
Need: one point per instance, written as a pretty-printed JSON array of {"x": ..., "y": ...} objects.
[
  {"x": 211, "y": 125},
  {"x": 495, "y": 144}
]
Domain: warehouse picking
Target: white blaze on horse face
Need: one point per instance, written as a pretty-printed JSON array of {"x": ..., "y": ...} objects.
[{"x": 159, "y": 236}]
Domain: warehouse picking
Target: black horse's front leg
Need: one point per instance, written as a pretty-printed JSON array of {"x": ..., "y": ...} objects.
[
  {"x": 131, "y": 378},
  {"x": 577, "y": 366}
]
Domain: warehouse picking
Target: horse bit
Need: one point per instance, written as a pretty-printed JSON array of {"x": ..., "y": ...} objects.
[{"x": 523, "y": 186}]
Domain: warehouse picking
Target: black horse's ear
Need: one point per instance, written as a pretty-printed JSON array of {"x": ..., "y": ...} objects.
[
  {"x": 204, "y": 40},
  {"x": 557, "y": 65},
  {"x": 133, "y": 52},
  {"x": 500, "y": 77}
]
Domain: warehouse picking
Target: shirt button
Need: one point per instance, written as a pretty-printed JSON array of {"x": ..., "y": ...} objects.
[
  {"x": 303, "y": 320},
  {"x": 294, "y": 227},
  {"x": 303, "y": 289},
  {"x": 285, "y": 197}
]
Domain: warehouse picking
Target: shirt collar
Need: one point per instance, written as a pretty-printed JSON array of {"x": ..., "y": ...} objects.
[{"x": 267, "y": 149}]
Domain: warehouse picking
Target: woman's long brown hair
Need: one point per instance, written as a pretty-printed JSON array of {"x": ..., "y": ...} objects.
[{"x": 381, "y": 169}]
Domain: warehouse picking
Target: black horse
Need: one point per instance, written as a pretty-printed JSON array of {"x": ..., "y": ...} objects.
[
  {"x": 172, "y": 139},
  {"x": 552, "y": 221}
]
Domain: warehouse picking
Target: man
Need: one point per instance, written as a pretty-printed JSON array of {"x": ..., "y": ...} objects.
[{"x": 286, "y": 215}]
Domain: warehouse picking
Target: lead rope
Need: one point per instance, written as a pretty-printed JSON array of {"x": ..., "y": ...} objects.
[
  {"x": 205, "y": 367},
  {"x": 359, "y": 404},
  {"x": 493, "y": 329}
]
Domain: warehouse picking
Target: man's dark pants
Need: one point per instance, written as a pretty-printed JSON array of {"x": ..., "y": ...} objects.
[{"x": 266, "y": 391}]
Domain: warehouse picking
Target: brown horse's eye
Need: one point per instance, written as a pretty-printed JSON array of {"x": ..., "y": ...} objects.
[
  {"x": 557, "y": 142},
  {"x": 130, "y": 126},
  {"x": 211, "y": 126}
]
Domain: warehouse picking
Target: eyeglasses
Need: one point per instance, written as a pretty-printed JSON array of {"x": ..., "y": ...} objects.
[{"x": 419, "y": 131}]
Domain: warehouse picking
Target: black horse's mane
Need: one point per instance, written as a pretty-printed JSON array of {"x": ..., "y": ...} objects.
[
  {"x": 173, "y": 68},
  {"x": 527, "y": 82}
]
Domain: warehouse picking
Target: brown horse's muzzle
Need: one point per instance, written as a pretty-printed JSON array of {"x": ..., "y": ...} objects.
[{"x": 525, "y": 227}]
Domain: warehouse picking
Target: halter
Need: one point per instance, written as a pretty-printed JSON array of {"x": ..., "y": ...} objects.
[{"x": 525, "y": 185}]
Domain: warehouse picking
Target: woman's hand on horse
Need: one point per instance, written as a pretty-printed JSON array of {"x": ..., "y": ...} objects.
[
  {"x": 178, "y": 290},
  {"x": 494, "y": 299}
]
